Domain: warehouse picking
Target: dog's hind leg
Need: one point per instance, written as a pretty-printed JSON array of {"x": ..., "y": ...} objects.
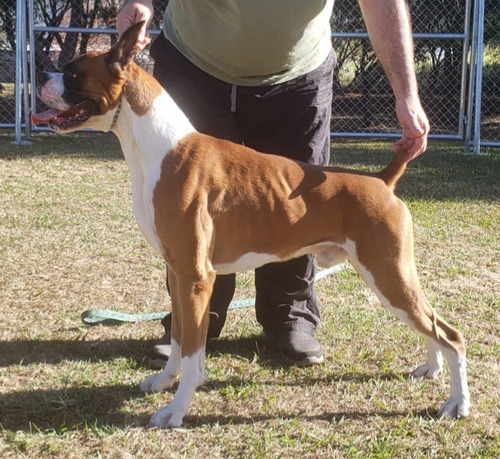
[
  {"x": 387, "y": 265},
  {"x": 434, "y": 364}
]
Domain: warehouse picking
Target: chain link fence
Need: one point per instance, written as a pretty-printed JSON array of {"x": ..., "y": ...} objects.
[
  {"x": 7, "y": 62},
  {"x": 363, "y": 101}
]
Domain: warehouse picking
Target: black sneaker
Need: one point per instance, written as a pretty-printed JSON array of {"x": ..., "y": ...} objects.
[
  {"x": 162, "y": 349},
  {"x": 296, "y": 347},
  {"x": 161, "y": 352}
]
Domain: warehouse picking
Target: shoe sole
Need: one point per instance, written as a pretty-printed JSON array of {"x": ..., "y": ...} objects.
[{"x": 306, "y": 362}]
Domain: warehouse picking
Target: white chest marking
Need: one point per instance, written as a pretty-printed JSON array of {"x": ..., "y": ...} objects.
[{"x": 146, "y": 141}]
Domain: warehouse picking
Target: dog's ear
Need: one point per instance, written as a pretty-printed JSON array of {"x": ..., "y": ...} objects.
[{"x": 121, "y": 53}]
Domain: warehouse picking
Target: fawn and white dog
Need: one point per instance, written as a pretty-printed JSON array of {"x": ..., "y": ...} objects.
[{"x": 210, "y": 206}]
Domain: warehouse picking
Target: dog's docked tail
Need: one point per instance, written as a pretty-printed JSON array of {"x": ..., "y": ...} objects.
[{"x": 392, "y": 173}]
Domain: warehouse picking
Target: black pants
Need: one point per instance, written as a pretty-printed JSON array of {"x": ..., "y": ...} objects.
[{"x": 291, "y": 119}]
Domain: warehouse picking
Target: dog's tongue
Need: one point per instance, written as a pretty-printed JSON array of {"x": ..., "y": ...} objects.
[{"x": 45, "y": 117}]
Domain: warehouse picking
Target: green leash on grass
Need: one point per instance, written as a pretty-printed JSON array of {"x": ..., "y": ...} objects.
[{"x": 110, "y": 317}]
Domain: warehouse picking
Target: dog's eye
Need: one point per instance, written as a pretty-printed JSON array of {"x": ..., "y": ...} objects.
[{"x": 70, "y": 75}]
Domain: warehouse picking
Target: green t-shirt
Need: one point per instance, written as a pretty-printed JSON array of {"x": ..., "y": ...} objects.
[{"x": 251, "y": 42}]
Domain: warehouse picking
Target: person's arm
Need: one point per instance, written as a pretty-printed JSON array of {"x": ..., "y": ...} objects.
[
  {"x": 135, "y": 11},
  {"x": 389, "y": 29}
]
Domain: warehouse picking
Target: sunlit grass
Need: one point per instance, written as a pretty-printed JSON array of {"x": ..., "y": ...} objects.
[{"x": 68, "y": 242}]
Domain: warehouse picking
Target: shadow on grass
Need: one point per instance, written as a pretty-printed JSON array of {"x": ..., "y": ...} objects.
[
  {"x": 75, "y": 408},
  {"x": 53, "y": 352},
  {"x": 251, "y": 348},
  {"x": 70, "y": 408},
  {"x": 28, "y": 352},
  {"x": 105, "y": 407}
]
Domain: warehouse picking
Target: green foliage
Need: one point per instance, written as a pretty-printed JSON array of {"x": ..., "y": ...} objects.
[{"x": 491, "y": 64}]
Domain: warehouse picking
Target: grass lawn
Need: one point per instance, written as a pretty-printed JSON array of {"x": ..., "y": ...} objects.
[{"x": 68, "y": 242}]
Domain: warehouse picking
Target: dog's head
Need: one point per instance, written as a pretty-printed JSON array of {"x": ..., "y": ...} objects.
[{"x": 88, "y": 89}]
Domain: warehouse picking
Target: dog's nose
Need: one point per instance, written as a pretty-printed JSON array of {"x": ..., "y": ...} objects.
[{"x": 42, "y": 77}]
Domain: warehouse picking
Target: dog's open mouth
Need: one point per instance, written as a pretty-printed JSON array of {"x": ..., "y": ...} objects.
[{"x": 62, "y": 120}]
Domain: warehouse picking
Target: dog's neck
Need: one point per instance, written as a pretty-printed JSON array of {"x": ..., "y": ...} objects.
[{"x": 150, "y": 123}]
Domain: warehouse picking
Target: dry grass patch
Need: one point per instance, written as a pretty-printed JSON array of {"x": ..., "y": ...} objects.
[{"x": 68, "y": 242}]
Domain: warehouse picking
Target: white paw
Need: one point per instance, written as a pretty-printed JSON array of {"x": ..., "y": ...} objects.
[
  {"x": 455, "y": 408},
  {"x": 166, "y": 417},
  {"x": 157, "y": 383},
  {"x": 427, "y": 371}
]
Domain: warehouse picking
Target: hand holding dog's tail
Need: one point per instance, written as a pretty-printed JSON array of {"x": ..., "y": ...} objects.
[
  {"x": 413, "y": 143},
  {"x": 392, "y": 173},
  {"x": 415, "y": 125}
]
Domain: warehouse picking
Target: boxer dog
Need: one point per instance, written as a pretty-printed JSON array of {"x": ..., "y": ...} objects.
[{"x": 210, "y": 206}]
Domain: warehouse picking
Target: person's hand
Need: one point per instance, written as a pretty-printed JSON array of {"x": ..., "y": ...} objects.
[
  {"x": 413, "y": 120},
  {"x": 135, "y": 11}
]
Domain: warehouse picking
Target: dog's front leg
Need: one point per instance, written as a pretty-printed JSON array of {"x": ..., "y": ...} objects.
[
  {"x": 192, "y": 376},
  {"x": 189, "y": 332}
]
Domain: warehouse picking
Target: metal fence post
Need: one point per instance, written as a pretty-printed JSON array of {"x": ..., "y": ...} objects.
[
  {"x": 21, "y": 72},
  {"x": 463, "y": 119},
  {"x": 478, "y": 78},
  {"x": 18, "y": 98},
  {"x": 26, "y": 80},
  {"x": 32, "y": 60},
  {"x": 472, "y": 79}
]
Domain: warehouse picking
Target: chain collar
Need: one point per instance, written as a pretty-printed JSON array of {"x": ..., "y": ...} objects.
[{"x": 115, "y": 117}]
